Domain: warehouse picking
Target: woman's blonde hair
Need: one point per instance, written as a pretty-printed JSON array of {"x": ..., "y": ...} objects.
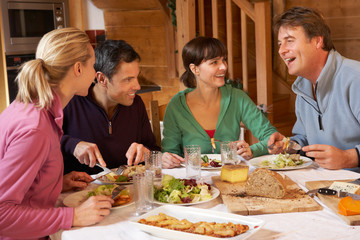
[{"x": 57, "y": 51}]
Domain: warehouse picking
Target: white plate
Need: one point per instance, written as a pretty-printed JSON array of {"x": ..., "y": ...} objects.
[
  {"x": 255, "y": 162},
  {"x": 195, "y": 215},
  {"x": 75, "y": 199},
  {"x": 214, "y": 193},
  {"x": 217, "y": 157},
  {"x": 210, "y": 156}
]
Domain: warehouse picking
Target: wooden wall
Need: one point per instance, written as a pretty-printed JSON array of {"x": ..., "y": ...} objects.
[
  {"x": 343, "y": 17},
  {"x": 147, "y": 27}
]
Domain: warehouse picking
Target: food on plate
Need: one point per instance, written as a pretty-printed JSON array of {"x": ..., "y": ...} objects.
[
  {"x": 122, "y": 198},
  {"x": 265, "y": 183},
  {"x": 175, "y": 190},
  {"x": 346, "y": 187},
  {"x": 206, "y": 162},
  {"x": 126, "y": 175},
  {"x": 234, "y": 173},
  {"x": 222, "y": 230},
  {"x": 348, "y": 206},
  {"x": 282, "y": 161}
]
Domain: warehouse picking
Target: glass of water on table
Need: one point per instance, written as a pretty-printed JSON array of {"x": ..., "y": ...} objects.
[
  {"x": 228, "y": 153},
  {"x": 193, "y": 161}
]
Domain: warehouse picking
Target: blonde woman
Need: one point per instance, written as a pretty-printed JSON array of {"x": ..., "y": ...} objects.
[{"x": 31, "y": 166}]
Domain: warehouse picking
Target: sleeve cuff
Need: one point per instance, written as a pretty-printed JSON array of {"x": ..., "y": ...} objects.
[{"x": 358, "y": 154}]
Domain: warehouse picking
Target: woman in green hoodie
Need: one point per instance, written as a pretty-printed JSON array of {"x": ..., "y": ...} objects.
[{"x": 209, "y": 108}]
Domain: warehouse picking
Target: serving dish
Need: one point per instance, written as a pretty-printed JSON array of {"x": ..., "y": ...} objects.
[{"x": 195, "y": 215}]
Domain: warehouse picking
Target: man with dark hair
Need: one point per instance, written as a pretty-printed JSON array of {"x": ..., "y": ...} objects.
[
  {"x": 327, "y": 103},
  {"x": 110, "y": 125}
]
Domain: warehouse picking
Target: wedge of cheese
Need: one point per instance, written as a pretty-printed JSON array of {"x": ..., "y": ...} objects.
[
  {"x": 234, "y": 173},
  {"x": 349, "y": 206},
  {"x": 346, "y": 187}
]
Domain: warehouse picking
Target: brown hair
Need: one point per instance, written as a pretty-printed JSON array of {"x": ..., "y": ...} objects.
[
  {"x": 57, "y": 51},
  {"x": 310, "y": 19},
  {"x": 197, "y": 50}
]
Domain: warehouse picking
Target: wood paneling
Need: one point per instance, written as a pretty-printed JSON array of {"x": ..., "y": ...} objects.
[
  {"x": 114, "y": 5},
  {"x": 135, "y": 18},
  {"x": 343, "y": 17},
  {"x": 146, "y": 25}
]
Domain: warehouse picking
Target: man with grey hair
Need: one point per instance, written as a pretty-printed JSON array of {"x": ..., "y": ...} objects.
[{"x": 327, "y": 84}]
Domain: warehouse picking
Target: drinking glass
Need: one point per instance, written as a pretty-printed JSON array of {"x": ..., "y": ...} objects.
[
  {"x": 193, "y": 161},
  {"x": 153, "y": 163},
  {"x": 143, "y": 192},
  {"x": 228, "y": 153}
]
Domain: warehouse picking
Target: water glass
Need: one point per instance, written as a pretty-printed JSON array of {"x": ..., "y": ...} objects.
[
  {"x": 228, "y": 153},
  {"x": 143, "y": 192},
  {"x": 153, "y": 163},
  {"x": 193, "y": 161}
]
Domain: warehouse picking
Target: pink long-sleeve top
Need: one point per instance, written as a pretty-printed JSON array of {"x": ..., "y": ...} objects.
[{"x": 31, "y": 169}]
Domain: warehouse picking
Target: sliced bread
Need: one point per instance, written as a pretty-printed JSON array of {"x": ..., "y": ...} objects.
[{"x": 265, "y": 183}]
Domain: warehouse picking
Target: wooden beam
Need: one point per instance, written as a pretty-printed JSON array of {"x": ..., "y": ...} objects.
[
  {"x": 215, "y": 18},
  {"x": 170, "y": 41},
  {"x": 263, "y": 53},
  {"x": 185, "y": 15},
  {"x": 229, "y": 39},
  {"x": 4, "y": 92},
  {"x": 201, "y": 17},
  {"x": 155, "y": 120},
  {"x": 244, "y": 51},
  {"x": 246, "y": 7},
  {"x": 76, "y": 10}
]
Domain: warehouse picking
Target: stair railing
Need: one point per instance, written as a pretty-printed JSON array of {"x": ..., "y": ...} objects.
[{"x": 258, "y": 11}]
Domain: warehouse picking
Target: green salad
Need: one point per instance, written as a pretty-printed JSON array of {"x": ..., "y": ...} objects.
[
  {"x": 282, "y": 161},
  {"x": 175, "y": 190}
]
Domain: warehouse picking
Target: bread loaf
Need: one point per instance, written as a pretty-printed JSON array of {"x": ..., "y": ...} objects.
[
  {"x": 265, "y": 183},
  {"x": 234, "y": 173}
]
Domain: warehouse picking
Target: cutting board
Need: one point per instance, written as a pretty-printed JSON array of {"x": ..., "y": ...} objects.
[
  {"x": 332, "y": 201},
  {"x": 233, "y": 196}
]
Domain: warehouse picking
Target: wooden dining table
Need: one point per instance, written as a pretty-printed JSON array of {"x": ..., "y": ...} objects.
[{"x": 321, "y": 224}]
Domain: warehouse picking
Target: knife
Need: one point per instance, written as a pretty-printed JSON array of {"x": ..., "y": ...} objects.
[
  {"x": 104, "y": 168},
  {"x": 116, "y": 191},
  {"x": 100, "y": 174},
  {"x": 346, "y": 194},
  {"x": 324, "y": 191}
]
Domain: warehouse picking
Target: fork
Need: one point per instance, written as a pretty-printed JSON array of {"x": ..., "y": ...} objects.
[
  {"x": 292, "y": 145},
  {"x": 121, "y": 169},
  {"x": 213, "y": 146}
]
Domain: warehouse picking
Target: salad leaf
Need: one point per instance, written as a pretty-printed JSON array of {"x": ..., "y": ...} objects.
[
  {"x": 161, "y": 195},
  {"x": 166, "y": 180},
  {"x": 175, "y": 197},
  {"x": 205, "y": 158},
  {"x": 122, "y": 178}
]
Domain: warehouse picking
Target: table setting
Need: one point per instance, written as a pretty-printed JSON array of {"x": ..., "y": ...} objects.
[{"x": 317, "y": 220}]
